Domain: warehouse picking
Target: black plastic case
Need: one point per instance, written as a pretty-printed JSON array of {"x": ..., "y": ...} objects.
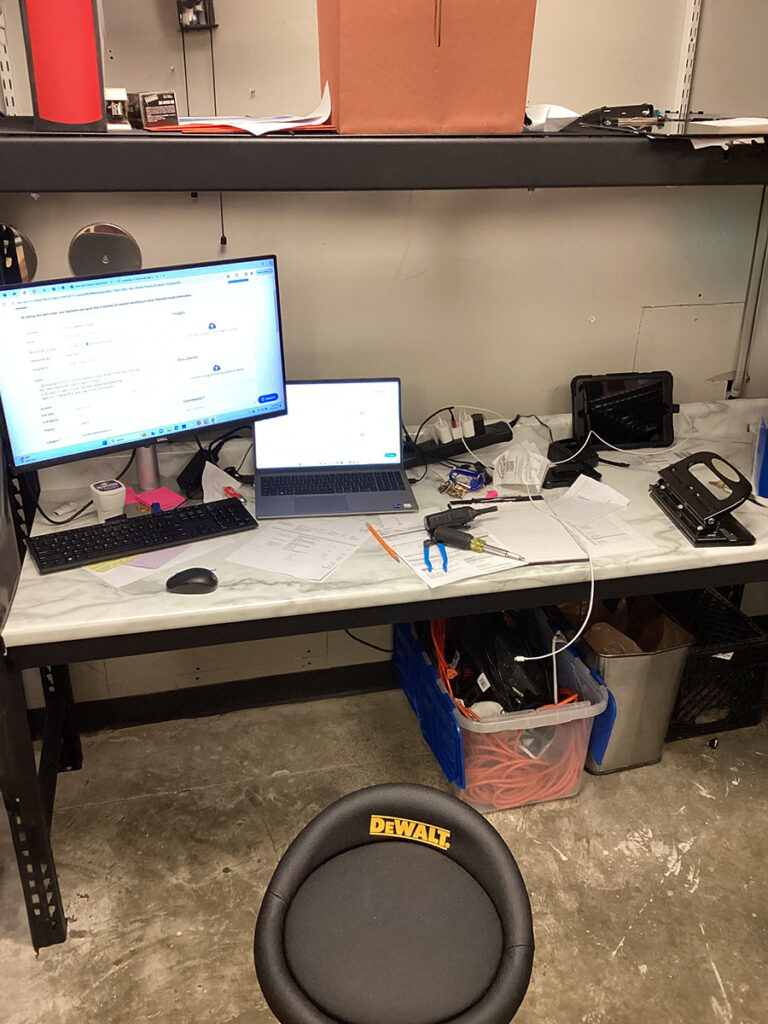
[{"x": 629, "y": 410}]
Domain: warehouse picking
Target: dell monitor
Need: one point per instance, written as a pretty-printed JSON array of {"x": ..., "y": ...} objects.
[{"x": 92, "y": 365}]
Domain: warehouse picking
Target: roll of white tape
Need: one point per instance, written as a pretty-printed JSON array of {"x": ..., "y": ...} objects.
[{"x": 108, "y": 496}]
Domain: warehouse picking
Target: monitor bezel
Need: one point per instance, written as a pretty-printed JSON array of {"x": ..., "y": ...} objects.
[
  {"x": 338, "y": 380},
  {"x": 216, "y": 430}
]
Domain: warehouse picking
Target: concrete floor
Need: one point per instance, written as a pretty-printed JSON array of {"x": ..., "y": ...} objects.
[{"x": 649, "y": 889}]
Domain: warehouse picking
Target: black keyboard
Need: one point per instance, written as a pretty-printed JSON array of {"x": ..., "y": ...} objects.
[
  {"x": 68, "y": 549},
  {"x": 331, "y": 483}
]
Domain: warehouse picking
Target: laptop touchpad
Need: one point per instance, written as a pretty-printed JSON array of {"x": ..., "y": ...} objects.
[{"x": 320, "y": 504}]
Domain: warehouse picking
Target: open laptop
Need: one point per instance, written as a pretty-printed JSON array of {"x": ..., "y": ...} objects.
[{"x": 337, "y": 452}]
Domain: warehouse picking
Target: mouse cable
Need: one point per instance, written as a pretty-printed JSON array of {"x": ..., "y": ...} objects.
[
  {"x": 374, "y": 647},
  {"x": 533, "y": 416},
  {"x": 243, "y": 478},
  {"x": 218, "y": 443}
]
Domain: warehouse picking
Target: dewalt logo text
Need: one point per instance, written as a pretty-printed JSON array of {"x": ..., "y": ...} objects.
[{"x": 404, "y": 828}]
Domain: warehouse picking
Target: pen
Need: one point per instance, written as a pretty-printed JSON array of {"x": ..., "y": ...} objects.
[
  {"x": 482, "y": 501},
  {"x": 383, "y": 543}
]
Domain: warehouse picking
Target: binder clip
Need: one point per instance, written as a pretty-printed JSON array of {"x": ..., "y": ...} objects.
[{"x": 700, "y": 504}]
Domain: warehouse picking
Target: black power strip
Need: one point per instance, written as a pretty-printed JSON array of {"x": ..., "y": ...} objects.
[{"x": 430, "y": 451}]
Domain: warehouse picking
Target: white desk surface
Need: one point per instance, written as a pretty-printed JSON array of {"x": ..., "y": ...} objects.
[{"x": 75, "y": 605}]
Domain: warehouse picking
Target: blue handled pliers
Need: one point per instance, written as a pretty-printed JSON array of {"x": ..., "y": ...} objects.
[{"x": 441, "y": 549}]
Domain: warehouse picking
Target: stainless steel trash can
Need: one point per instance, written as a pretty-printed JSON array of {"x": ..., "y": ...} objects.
[{"x": 644, "y": 686}]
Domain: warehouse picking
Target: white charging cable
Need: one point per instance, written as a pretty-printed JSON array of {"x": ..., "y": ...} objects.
[
  {"x": 585, "y": 623},
  {"x": 626, "y": 451},
  {"x": 554, "y": 668},
  {"x": 475, "y": 408},
  {"x": 572, "y": 530}
]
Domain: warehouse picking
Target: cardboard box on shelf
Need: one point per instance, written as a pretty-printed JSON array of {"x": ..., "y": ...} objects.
[{"x": 426, "y": 67}]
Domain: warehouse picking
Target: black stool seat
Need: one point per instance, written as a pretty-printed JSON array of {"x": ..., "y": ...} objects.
[
  {"x": 396, "y": 905},
  {"x": 372, "y": 930}
]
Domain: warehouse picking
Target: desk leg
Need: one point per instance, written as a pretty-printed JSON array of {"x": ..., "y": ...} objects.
[
  {"x": 59, "y": 702},
  {"x": 29, "y": 819}
]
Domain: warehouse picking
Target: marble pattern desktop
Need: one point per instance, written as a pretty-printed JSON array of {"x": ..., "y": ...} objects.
[{"x": 73, "y": 605}]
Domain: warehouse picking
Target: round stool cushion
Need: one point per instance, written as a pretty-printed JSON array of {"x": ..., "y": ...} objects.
[{"x": 392, "y": 933}]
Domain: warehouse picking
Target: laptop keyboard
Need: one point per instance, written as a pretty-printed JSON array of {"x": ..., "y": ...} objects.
[{"x": 331, "y": 483}]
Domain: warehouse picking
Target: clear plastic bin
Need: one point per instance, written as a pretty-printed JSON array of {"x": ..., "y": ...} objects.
[
  {"x": 520, "y": 758},
  {"x": 529, "y": 757}
]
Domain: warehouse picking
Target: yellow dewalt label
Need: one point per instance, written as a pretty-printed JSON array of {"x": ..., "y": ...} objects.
[{"x": 405, "y": 828}]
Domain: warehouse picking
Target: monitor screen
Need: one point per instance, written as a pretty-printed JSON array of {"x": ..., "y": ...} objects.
[
  {"x": 334, "y": 423},
  {"x": 91, "y": 365}
]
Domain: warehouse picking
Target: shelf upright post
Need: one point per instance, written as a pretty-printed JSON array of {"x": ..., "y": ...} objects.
[{"x": 682, "y": 100}]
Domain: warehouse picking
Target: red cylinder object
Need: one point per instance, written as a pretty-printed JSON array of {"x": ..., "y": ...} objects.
[{"x": 64, "y": 58}]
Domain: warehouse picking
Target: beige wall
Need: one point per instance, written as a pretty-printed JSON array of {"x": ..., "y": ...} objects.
[
  {"x": 470, "y": 297},
  {"x": 496, "y": 298}
]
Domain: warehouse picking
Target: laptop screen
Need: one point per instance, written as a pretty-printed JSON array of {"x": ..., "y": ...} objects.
[{"x": 333, "y": 423}]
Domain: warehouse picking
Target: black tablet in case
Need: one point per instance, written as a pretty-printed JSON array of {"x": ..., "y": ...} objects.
[{"x": 629, "y": 410}]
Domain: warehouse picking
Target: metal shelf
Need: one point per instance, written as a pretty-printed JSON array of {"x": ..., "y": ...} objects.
[{"x": 140, "y": 162}]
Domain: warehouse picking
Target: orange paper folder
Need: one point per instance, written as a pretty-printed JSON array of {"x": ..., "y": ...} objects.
[{"x": 434, "y": 67}]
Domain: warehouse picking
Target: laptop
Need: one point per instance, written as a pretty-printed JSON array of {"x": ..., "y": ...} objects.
[{"x": 338, "y": 451}]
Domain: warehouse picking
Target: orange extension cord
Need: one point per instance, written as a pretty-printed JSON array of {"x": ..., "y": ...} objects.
[
  {"x": 446, "y": 673},
  {"x": 498, "y": 773}
]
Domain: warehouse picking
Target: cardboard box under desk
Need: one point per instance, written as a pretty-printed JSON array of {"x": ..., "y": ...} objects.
[{"x": 426, "y": 67}]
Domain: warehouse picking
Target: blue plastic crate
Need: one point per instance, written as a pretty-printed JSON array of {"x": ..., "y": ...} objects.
[
  {"x": 431, "y": 705},
  {"x": 439, "y": 720}
]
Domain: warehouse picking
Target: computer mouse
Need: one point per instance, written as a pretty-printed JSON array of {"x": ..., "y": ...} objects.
[{"x": 192, "y": 581}]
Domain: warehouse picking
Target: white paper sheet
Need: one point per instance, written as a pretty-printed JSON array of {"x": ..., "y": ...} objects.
[
  {"x": 214, "y": 482},
  {"x": 407, "y": 535},
  {"x": 587, "y": 500},
  {"x": 655, "y": 461},
  {"x": 528, "y": 528},
  {"x": 307, "y": 549},
  {"x": 262, "y": 125},
  {"x": 548, "y": 117},
  {"x": 611, "y": 536},
  {"x": 120, "y": 572},
  {"x": 121, "y": 575}
]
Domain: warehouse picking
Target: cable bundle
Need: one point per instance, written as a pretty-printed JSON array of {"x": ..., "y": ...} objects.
[
  {"x": 500, "y": 773},
  {"x": 523, "y": 762}
]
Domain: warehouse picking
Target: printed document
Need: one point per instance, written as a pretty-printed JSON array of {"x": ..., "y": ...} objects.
[{"x": 307, "y": 549}]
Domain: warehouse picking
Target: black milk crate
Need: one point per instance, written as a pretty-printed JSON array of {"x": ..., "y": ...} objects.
[{"x": 724, "y": 681}]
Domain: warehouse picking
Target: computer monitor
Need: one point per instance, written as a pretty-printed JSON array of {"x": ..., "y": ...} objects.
[{"x": 92, "y": 365}]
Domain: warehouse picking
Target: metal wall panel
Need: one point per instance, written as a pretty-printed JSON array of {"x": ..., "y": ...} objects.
[
  {"x": 729, "y": 76},
  {"x": 596, "y": 52},
  {"x": 469, "y": 297}
]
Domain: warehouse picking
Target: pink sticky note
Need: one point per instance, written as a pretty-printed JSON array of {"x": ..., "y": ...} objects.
[
  {"x": 131, "y": 497},
  {"x": 165, "y": 497}
]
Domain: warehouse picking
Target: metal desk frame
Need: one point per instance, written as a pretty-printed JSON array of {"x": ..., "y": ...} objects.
[{"x": 29, "y": 791}]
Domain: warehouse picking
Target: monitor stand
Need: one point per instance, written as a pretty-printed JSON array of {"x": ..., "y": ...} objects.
[{"x": 147, "y": 467}]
